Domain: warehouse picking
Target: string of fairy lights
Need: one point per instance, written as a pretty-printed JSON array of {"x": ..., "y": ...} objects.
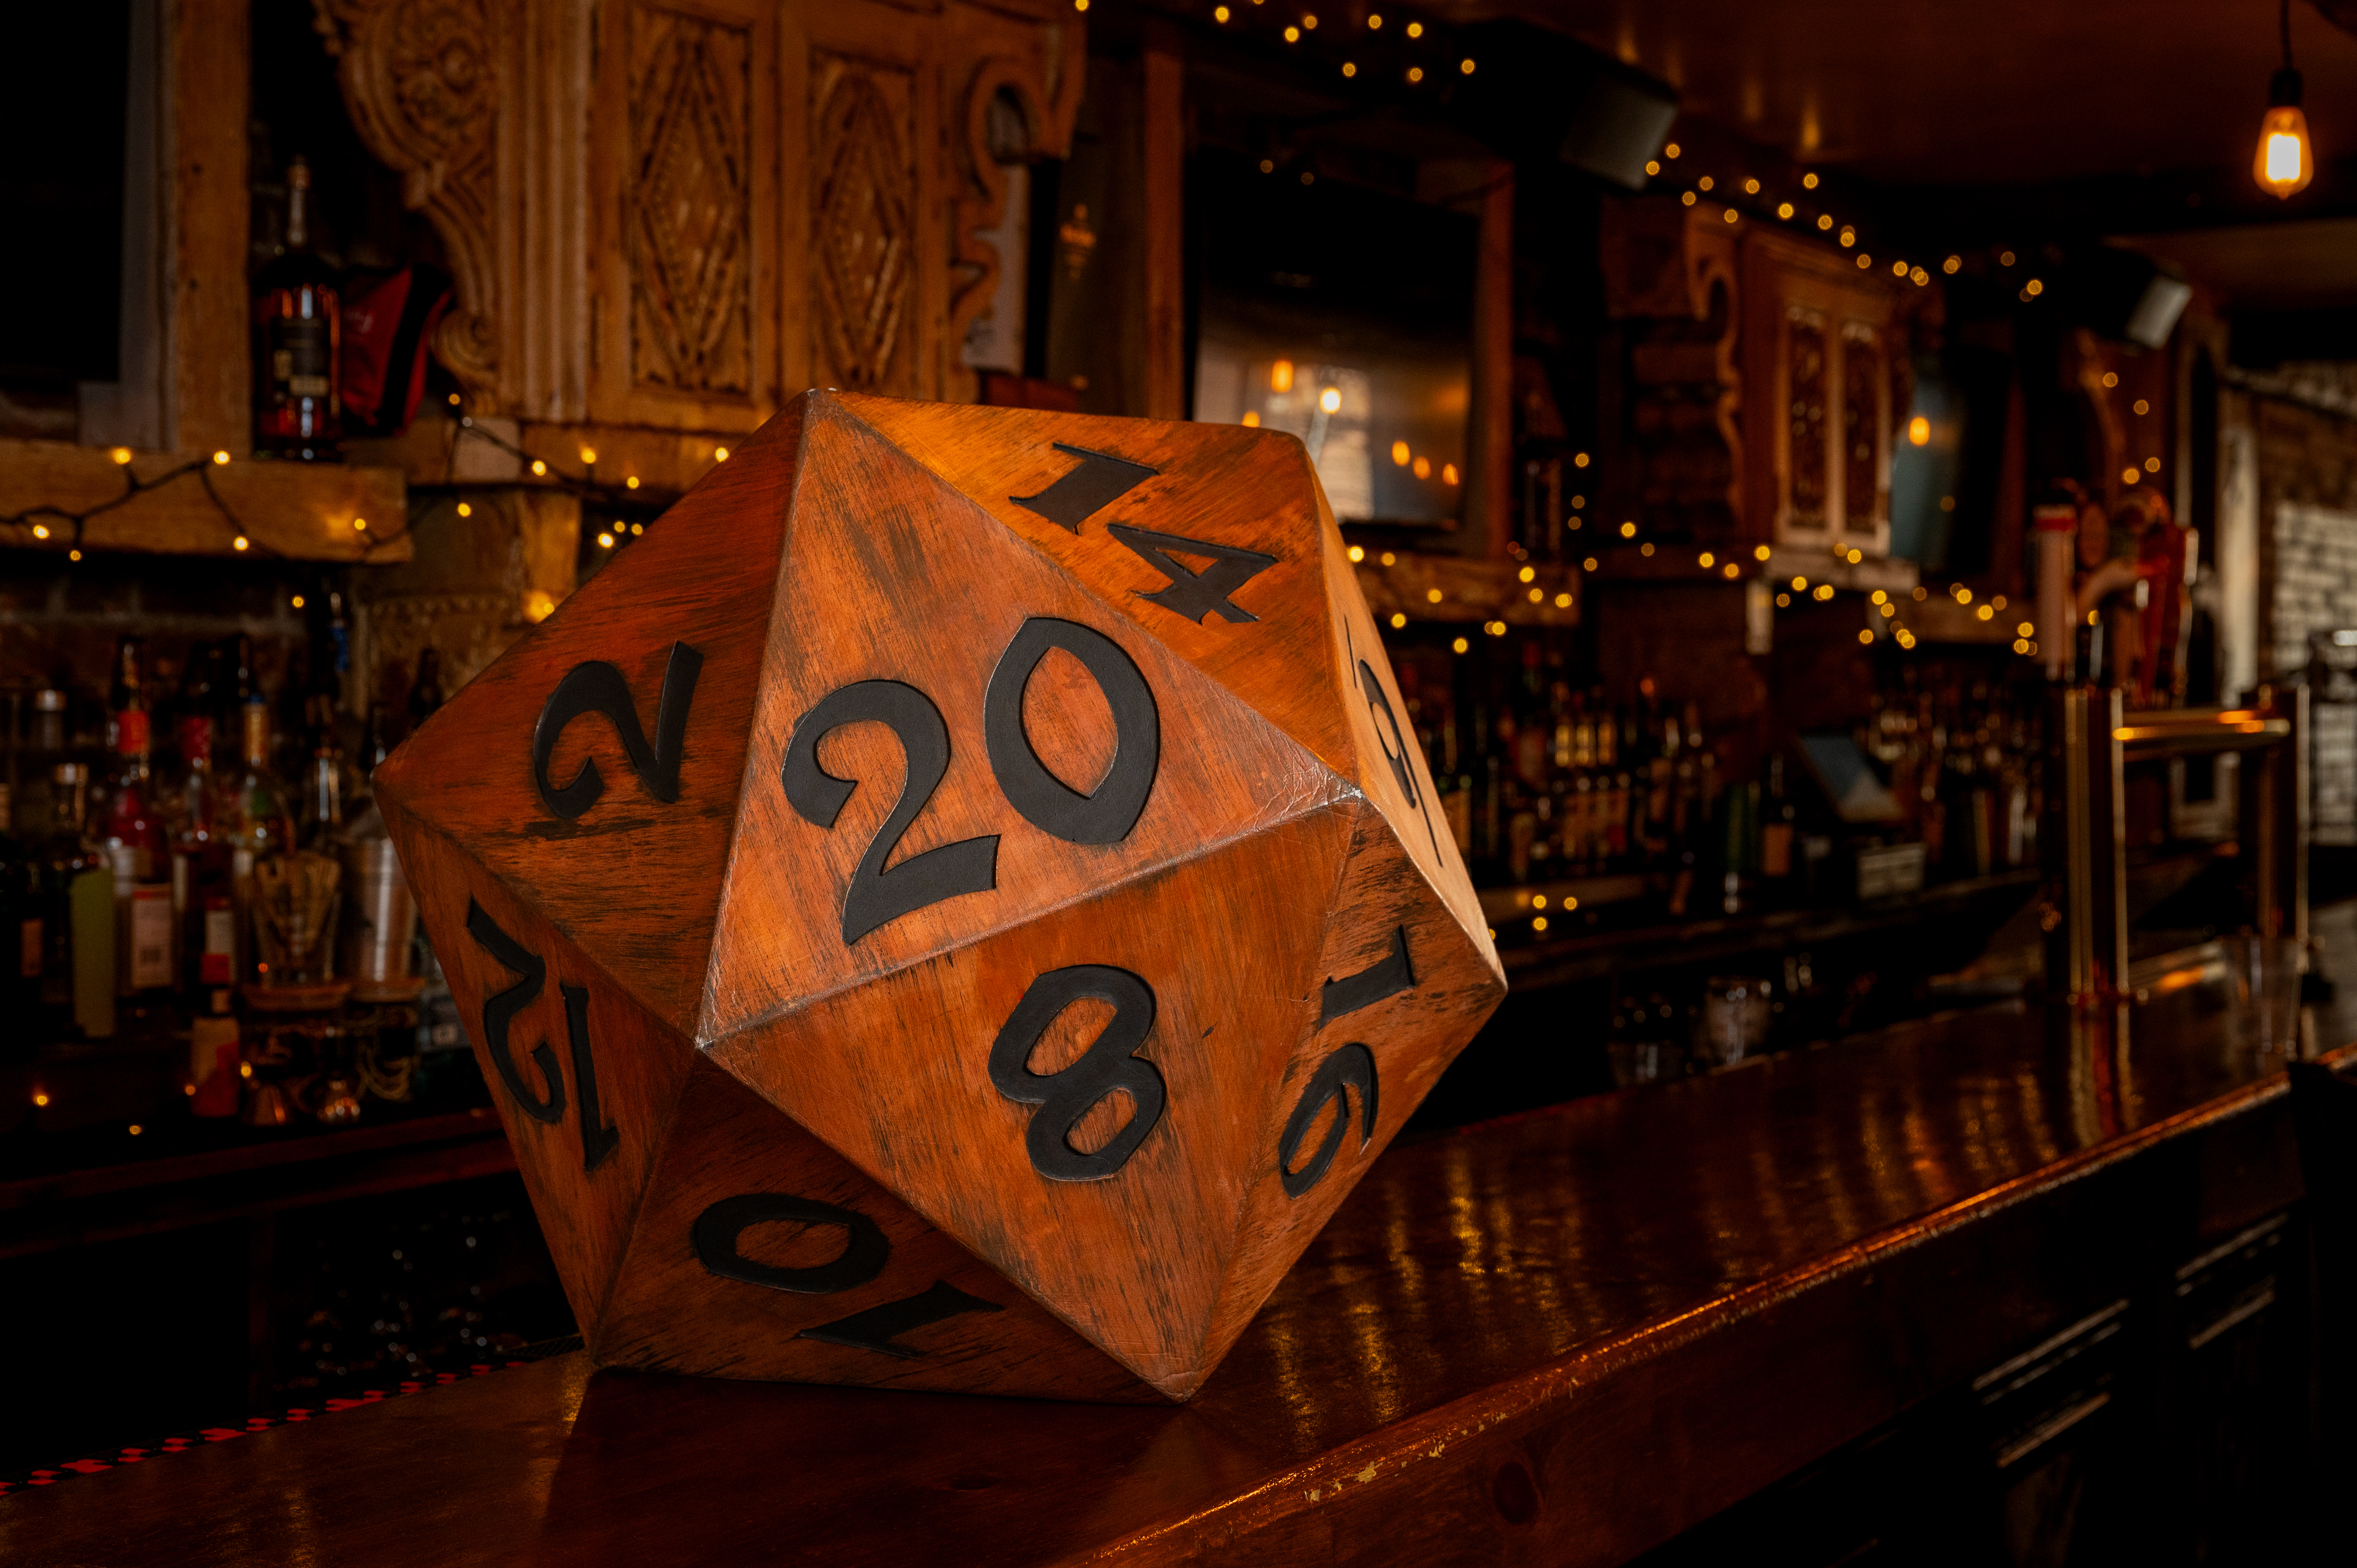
[
  {"x": 42, "y": 521},
  {"x": 46, "y": 523}
]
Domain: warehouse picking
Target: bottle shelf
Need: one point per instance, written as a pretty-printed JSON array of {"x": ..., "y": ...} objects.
[
  {"x": 1467, "y": 590},
  {"x": 301, "y": 511}
]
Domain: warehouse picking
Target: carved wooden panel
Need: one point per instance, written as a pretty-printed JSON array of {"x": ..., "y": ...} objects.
[
  {"x": 1865, "y": 428},
  {"x": 864, "y": 205},
  {"x": 688, "y": 203},
  {"x": 423, "y": 79},
  {"x": 1808, "y": 492},
  {"x": 684, "y": 164},
  {"x": 1822, "y": 336}
]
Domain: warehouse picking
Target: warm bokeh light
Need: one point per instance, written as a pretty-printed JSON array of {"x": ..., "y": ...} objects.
[
  {"x": 1628, "y": 530},
  {"x": 1330, "y": 400},
  {"x": 2285, "y": 163},
  {"x": 1400, "y": 454},
  {"x": 240, "y": 543},
  {"x": 539, "y": 468},
  {"x": 539, "y": 605},
  {"x": 1252, "y": 419},
  {"x": 1919, "y": 430},
  {"x": 464, "y": 509},
  {"x": 121, "y": 455},
  {"x": 588, "y": 457},
  {"x": 1422, "y": 468},
  {"x": 1448, "y": 473},
  {"x": 1280, "y": 376},
  {"x": 605, "y": 541},
  {"x": 221, "y": 458},
  {"x": 720, "y": 454}
]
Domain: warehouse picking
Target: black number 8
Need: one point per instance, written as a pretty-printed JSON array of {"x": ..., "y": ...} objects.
[{"x": 1065, "y": 1097}]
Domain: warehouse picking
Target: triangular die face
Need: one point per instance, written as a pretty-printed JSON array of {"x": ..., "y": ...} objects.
[
  {"x": 759, "y": 1252},
  {"x": 1389, "y": 763},
  {"x": 630, "y": 876},
  {"x": 1252, "y": 492},
  {"x": 1401, "y": 989},
  {"x": 902, "y": 607},
  {"x": 586, "y": 1143},
  {"x": 922, "y": 1080}
]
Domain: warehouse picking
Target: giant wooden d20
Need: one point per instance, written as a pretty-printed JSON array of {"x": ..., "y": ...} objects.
[{"x": 955, "y": 906}]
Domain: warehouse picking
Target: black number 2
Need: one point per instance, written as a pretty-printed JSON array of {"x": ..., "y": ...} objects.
[
  {"x": 865, "y": 1250},
  {"x": 1064, "y": 1097},
  {"x": 878, "y": 894},
  {"x": 597, "y": 1138},
  {"x": 598, "y": 687}
]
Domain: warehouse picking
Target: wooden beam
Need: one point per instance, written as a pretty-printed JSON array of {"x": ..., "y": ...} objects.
[
  {"x": 209, "y": 395},
  {"x": 1166, "y": 256},
  {"x": 301, "y": 510}
]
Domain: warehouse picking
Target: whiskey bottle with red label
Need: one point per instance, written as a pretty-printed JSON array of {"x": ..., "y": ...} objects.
[{"x": 299, "y": 410}]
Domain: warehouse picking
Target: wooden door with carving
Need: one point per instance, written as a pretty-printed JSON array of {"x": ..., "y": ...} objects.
[
  {"x": 867, "y": 240},
  {"x": 1826, "y": 382},
  {"x": 683, "y": 254}
]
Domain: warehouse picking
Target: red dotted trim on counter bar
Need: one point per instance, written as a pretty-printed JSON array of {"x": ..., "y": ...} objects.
[{"x": 179, "y": 1442}]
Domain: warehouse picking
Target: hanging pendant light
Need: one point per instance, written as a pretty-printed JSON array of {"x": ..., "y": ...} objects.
[{"x": 2285, "y": 162}]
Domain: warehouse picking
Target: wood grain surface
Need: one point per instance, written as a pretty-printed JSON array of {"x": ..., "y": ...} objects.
[
  {"x": 1059, "y": 867},
  {"x": 1636, "y": 1309}
]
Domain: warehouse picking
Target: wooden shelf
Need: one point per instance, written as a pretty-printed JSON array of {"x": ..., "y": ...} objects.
[
  {"x": 1468, "y": 590},
  {"x": 1937, "y": 618},
  {"x": 301, "y": 511}
]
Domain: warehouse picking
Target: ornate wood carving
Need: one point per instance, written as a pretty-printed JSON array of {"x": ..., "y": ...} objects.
[
  {"x": 423, "y": 79},
  {"x": 687, "y": 198},
  {"x": 1045, "y": 83},
  {"x": 1670, "y": 275},
  {"x": 864, "y": 195}
]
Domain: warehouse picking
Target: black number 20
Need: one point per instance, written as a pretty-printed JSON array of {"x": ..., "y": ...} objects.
[{"x": 879, "y": 893}]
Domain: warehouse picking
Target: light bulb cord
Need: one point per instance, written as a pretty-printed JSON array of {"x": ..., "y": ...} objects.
[{"x": 2286, "y": 18}]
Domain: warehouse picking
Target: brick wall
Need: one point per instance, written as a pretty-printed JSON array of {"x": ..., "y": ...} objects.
[{"x": 2308, "y": 507}]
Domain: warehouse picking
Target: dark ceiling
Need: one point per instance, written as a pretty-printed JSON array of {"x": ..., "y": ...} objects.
[{"x": 1978, "y": 92}]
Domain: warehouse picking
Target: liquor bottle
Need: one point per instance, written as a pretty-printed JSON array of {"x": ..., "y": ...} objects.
[
  {"x": 255, "y": 820},
  {"x": 214, "y": 1055},
  {"x": 23, "y": 924},
  {"x": 297, "y": 315},
  {"x": 1777, "y": 818},
  {"x": 425, "y": 691},
  {"x": 77, "y": 914},
  {"x": 135, "y": 838},
  {"x": 203, "y": 871}
]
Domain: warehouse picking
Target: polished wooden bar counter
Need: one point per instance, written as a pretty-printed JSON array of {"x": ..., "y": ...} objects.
[{"x": 1563, "y": 1336}]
